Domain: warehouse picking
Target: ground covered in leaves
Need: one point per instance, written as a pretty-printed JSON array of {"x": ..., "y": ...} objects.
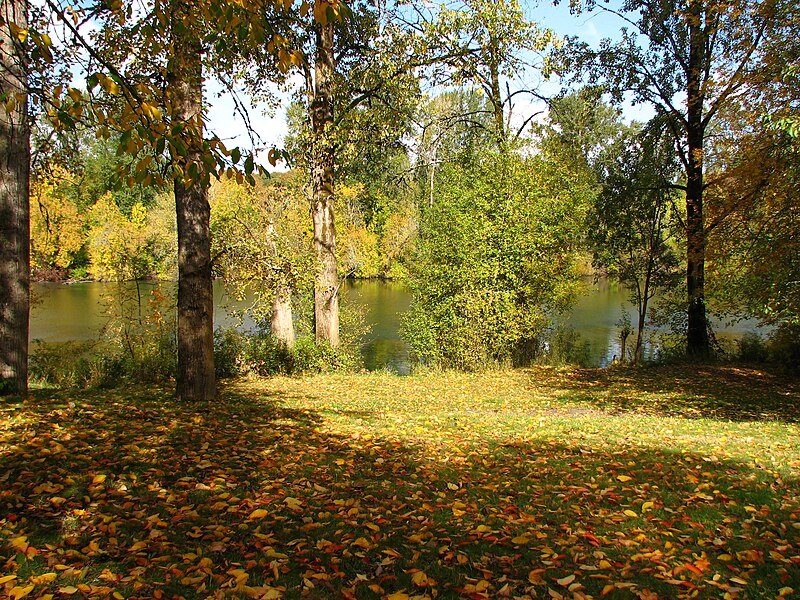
[{"x": 658, "y": 483}]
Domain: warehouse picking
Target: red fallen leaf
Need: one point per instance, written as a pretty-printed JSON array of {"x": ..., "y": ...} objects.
[
  {"x": 592, "y": 539},
  {"x": 693, "y": 569}
]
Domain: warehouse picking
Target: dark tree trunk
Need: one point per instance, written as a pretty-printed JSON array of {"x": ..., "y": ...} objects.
[
  {"x": 697, "y": 329},
  {"x": 326, "y": 287},
  {"x": 195, "y": 376},
  {"x": 14, "y": 203}
]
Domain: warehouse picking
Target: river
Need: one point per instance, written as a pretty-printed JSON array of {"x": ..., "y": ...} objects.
[{"x": 79, "y": 311}]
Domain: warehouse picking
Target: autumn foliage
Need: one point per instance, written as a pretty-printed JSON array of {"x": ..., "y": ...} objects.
[{"x": 525, "y": 484}]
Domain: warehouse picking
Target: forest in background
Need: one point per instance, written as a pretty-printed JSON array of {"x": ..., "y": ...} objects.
[{"x": 419, "y": 149}]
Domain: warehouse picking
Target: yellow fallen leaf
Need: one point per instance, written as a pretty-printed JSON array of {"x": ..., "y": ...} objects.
[
  {"x": 41, "y": 579},
  {"x": 420, "y": 579},
  {"x": 565, "y": 581},
  {"x": 20, "y": 543},
  {"x": 604, "y": 564},
  {"x": 18, "y": 592},
  {"x": 624, "y": 478},
  {"x": 535, "y": 577},
  {"x": 646, "y": 506},
  {"x": 398, "y": 596},
  {"x": 630, "y": 513},
  {"x": 68, "y": 590},
  {"x": 258, "y": 513},
  {"x": 7, "y": 578},
  {"x": 520, "y": 539},
  {"x": 725, "y": 557},
  {"x": 362, "y": 543},
  {"x": 98, "y": 479}
]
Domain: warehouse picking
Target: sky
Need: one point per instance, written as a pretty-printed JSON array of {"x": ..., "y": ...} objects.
[{"x": 590, "y": 27}]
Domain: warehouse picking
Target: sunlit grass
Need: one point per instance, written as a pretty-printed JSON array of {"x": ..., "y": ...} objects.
[{"x": 534, "y": 483}]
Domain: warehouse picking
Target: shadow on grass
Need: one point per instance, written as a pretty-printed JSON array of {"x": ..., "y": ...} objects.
[
  {"x": 150, "y": 498},
  {"x": 690, "y": 391}
]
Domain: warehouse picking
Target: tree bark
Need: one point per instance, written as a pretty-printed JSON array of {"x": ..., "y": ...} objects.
[
  {"x": 195, "y": 380},
  {"x": 697, "y": 343},
  {"x": 326, "y": 286},
  {"x": 281, "y": 324},
  {"x": 14, "y": 202}
]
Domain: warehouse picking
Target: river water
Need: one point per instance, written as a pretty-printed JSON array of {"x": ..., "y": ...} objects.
[{"x": 79, "y": 311}]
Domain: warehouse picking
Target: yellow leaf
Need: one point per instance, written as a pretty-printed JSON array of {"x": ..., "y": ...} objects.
[
  {"x": 565, "y": 581},
  {"x": 725, "y": 557},
  {"x": 68, "y": 590},
  {"x": 7, "y": 578},
  {"x": 398, "y": 596},
  {"x": 20, "y": 543},
  {"x": 630, "y": 513},
  {"x": 41, "y": 579},
  {"x": 20, "y": 592},
  {"x": 483, "y": 529},
  {"x": 98, "y": 479},
  {"x": 520, "y": 539},
  {"x": 535, "y": 577},
  {"x": 258, "y": 513},
  {"x": 604, "y": 564},
  {"x": 647, "y": 505},
  {"x": 624, "y": 478},
  {"x": 419, "y": 579},
  {"x": 362, "y": 543}
]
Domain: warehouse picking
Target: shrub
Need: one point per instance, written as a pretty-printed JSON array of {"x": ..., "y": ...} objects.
[
  {"x": 752, "y": 349},
  {"x": 784, "y": 347}
]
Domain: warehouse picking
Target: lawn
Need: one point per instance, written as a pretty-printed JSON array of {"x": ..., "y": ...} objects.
[{"x": 543, "y": 483}]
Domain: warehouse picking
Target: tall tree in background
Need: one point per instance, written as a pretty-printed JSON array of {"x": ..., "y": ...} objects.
[
  {"x": 688, "y": 59},
  {"x": 631, "y": 223},
  {"x": 485, "y": 44},
  {"x": 14, "y": 197},
  {"x": 358, "y": 90}
]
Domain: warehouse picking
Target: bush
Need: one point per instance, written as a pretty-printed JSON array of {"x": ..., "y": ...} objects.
[
  {"x": 230, "y": 352},
  {"x": 564, "y": 346},
  {"x": 784, "y": 347},
  {"x": 752, "y": 349},
  {"x": 496, "y": 255}
]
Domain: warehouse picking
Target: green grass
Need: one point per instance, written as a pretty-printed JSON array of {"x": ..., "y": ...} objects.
[{"x": 673, "y": 482}]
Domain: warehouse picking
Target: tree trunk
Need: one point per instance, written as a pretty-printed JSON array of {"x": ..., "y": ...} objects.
[
  {"x": 14, "y": 203},
  {"x": 195, "y": 377},
  {"x": 697, "y": 328},
  {"x": 281, "y": 324},
  {"x": 496, "y": 98},
  {"x": 326, "y": 287}
]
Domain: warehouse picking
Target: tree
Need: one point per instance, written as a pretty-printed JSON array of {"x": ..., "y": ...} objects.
[
  {"x": 261, "y": 237},
  {"x": 630, "y": 227},
  {"x": 358, "y": 89},
  {"x": 14, "y": 197},
  {"x": 485, "y": 44},
  {"x": 694, "y": 60},
  {"x": 496, "y": 254},
  {"x": 195, "y": 379}
]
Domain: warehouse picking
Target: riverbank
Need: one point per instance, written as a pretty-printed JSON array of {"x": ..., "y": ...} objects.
[{"x": 664, "y": 482}]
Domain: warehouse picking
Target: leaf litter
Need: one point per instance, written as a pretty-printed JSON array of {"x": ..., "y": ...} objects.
[{"x": 523, "y": 484}]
